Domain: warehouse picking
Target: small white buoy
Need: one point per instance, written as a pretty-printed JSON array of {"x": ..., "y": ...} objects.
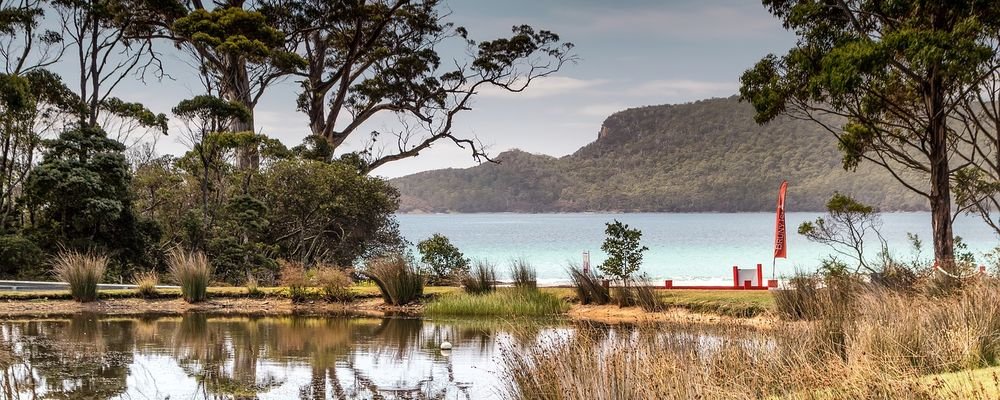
[{"x": 445, "y": 345}]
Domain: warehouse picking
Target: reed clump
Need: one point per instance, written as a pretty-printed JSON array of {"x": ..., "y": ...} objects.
[
  {"x": 145, "y": 283},
  {"x": 523, "y": 274},
  {"x": 252, "y": 284},
  {"x": 192, "y": 271},
  {"x": 82, "y": 271},
  {"x": 398, "y": 281},
  {"x": 588, "y": 287},
  {"x": 481, "y": 279}
]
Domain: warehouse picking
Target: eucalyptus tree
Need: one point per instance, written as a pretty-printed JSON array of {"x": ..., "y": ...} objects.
[
  {"x": 884, "y": 78},
  {"x": 369, "y": 58}
]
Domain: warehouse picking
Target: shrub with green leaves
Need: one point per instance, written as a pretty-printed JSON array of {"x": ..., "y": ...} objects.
[
  {"x": 82, "y": 271},
  {"x": 192, "y": 271},
  {"x": 624, "y": 251},
  {"x": 444, "y": 261}
]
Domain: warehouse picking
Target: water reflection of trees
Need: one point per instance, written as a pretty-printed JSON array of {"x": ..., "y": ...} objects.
[{"x": 235, "y": 357}]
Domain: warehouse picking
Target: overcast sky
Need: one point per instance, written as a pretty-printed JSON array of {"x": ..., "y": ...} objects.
[{"x": 632, "y": 53}]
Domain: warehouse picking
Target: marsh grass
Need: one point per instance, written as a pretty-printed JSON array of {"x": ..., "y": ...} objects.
[
  {"x": 523, "y": 274},
  {"x": 145, "y": 283},
  {"x": 481, "y": 279},
  {"x": 252, "y": 285},
  {"x": 504, "y": 302},
  {"x": 645, "y": 296},
  {"x": 877, "y": 343},
  {"x": 588, "y": 287},
  {"x": 82, "y": 271},
  {"x": 399, "y": 282},
  {"x": 193, "y": 272}
]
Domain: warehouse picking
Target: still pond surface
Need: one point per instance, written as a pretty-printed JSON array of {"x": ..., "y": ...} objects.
[{"x": 200, "y": 356}]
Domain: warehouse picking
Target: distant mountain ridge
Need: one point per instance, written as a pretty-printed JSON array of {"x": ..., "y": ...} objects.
[{"x": 705, "y": 156}]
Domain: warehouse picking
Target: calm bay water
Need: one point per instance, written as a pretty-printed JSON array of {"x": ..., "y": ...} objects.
[
  {"x": 699, "y": 247},
  {"x": 199, "y": 356}
]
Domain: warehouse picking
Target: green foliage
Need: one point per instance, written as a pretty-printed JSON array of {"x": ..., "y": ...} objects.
[
  {"x": 506, "y": 302},
  {"x": 80, "y": 193},
  {"x": 703, "y": 156},
  {"x": 444, "y": 259},
  {"x": 623, "y": 249},
  {"x": 21, "y": 258},
  {"x": 845, "y": 228}
]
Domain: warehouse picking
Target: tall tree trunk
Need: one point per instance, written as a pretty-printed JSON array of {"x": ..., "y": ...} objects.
[
  {"x": 940, "y": 193},
  {"x": 236, "y": 88}
]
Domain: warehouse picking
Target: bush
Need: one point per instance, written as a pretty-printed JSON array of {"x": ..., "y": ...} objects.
[
  {"x": 82, "y": 271},
  {"x": 396, "y": 279},
  {"x": 335, "y": 284},
  {"x": 293, "y": 276},
  {"x": 482, "y": 279},
  {"x": 444, "y": 260},
  {"x": 20, "y": 257},
  {"x": 522, "y": 274},
  {"x": 145, "y": 283},
  {"x": 589, "y": 289},
  {"x": 192, "y": 271},
  {"x": 505, "y": 302}
]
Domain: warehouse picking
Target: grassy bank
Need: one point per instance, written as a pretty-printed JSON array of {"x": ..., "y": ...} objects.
[{"x": 504, "y": 302}]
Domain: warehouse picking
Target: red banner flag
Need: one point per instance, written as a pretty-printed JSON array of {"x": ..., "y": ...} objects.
[{"x": 780, "y": 249}]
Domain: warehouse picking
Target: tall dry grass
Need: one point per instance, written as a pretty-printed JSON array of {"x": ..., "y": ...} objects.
[
  {"x": 398, "y": 281},
  {"x": 82, "y": 271},
  {"x": 192, "y": 271},
  {"x": 880, "y": 344},
  {"x": 293, "y": 276},
  {"x": 334, "y": 283},
  {"x": 145, "y": 283},
  {"x": 588, "y": 287}
]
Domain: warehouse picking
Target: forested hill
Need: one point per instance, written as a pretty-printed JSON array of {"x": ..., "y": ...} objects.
[{"x": 703, "y": 156}]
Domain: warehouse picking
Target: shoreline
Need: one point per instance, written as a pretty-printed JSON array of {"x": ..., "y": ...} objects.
[{"x": 365, "y": 306}]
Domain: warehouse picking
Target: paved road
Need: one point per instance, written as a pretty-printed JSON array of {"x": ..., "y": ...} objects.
[{"x": 36, "y": 286}]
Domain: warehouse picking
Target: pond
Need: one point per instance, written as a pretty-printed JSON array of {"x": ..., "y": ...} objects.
[{"x": 204, "y": 356}]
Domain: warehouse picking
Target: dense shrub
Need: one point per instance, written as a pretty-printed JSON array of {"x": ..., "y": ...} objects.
[
  {"x": 398, "y": 281},
  {"x": 443, "y": 260},
  {"x": 293, "y": 276},
  {"x": 335, "y": 283},
  {"x": 82, "y": 271},
  {"x": 20, "y": 257},
  {"x": 192, "y": 271}
]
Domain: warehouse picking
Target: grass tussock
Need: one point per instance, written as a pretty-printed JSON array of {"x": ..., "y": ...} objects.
[
  {"x": 252, "y": 284},
  {"x": 145, "y": 283},
  {"x": 646, "y": 297},
  {"x": 588, "y": 287},
  {"x": 334, "y": 283},
  {"x": 193, "y": 272},
  {"x": 399, "y": 282},
  {"x": 504, "y": 302},
  {"x": 82, "y": 271},
  {"x": 523, "y": 274},
  {"x": 871, "y": 343},
  {"x": 481, "y": 279}
]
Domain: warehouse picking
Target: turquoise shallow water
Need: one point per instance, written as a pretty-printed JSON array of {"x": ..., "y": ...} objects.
[{"x": 685, "y": 247}]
